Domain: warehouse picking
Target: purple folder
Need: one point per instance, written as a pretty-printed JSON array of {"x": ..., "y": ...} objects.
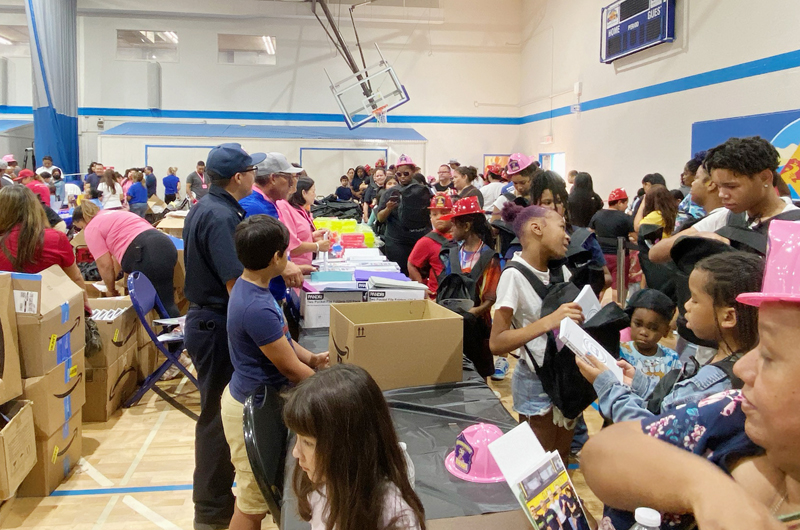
[{"x": 363, "y": 276}]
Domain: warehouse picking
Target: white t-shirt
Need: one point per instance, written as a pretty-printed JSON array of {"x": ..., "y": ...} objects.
[
  {"x": 516, "y": 293},
  {"x": 719, "y": 218},
  {"x": 492, "y": 191},
  {"x": 50, "y": 169},
  {"x": 110, "y": 198},
  {"x": 72, "y": 189},
  {"x": 393, "y": 506},
  {"x": 500, "y": 202}
]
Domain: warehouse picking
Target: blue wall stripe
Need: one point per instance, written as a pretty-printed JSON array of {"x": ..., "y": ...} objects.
[
  {"x": 119, "y": 491},
  {"x": 775, "y": 63}
]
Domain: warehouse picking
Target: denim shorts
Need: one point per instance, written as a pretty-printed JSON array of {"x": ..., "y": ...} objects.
[{"x": 528, "y": 393}]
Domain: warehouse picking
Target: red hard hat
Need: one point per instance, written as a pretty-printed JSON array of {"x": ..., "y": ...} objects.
[
  {"x": 618, "y": 195},
  {"x": 440, "y": 201},
  {"x": 465, "y": 206}
]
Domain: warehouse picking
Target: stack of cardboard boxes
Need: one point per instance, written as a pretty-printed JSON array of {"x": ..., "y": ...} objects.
[
  {"x": 51, "y": 328},
  {"x": 17, "y": 438}
]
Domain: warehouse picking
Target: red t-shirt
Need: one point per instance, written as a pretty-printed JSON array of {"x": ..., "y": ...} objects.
[
  {"x": 425, "y": 257},
  {"x": 56, "y": 251},
  {"x": 42, "y": 190}
]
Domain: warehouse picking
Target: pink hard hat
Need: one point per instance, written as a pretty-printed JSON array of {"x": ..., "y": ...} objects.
[
  {"x": 517, "y": 162},
  {"x": 9, "y": 158},
  {"x": 782, "y": 273},
  {"x": 471, "y": 459},
  {"x": 405, "y": 160}
]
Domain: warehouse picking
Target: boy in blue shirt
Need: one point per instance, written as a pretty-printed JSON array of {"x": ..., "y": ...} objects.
[
  {"x": 261, "y": 349},
  {"x": 651, "y": 313},
  {"x": 343, "y": 192}
]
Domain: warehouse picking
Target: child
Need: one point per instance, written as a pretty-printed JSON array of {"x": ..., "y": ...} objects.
[
  {"x": 261, "y": 349},
  {"x": 350, "y": 475},
  {"x": 424, "y": 265},
  {"x": 518, "y": 324},
  {"x": 651, "y": 313},
  {"x": 343, "y": 192},
  {"x": 137, "y": 194},
  {"x": 712, "y": 313},
  {"x": 473, "y": 245}
]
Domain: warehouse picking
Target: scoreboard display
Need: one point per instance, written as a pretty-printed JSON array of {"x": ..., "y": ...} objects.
[{"x": 630, "y": 26}]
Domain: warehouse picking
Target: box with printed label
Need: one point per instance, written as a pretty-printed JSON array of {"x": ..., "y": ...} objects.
[
  {"x": 315, "y": 307},
  {"x": 394, "y": 295},
  {"x": 108, "y": 388},
  {"x": 17, "y": 446},
  {"x": 401, "y": 344},
  {"x": 56, "y": 456},
  {"x": 118, "y": 326},
  {"x": 10, "y": 375},
  {"x": 57, "y": 396},
  {"x": 49, "y": 309}
]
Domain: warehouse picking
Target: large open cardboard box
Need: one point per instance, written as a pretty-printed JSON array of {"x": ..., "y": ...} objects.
[
  {"x": 172, "y": 226},
  {"x": 401, "y": 344},
  {"x": 57, "y": 396},
  {"x": 10, "y": 374},
  {"x": 56, "y": 456},
  {"x": 17, "y": 447},
  {"x": 108, "y": 388},
  {"x": 118, "y": 334},
  {"x": 49, "y": 308}
]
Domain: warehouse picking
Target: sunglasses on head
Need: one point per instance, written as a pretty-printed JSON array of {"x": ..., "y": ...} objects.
[{"x": 404, "y": 173}]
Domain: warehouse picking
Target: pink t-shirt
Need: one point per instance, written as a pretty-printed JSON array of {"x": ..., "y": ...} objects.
[
  {"x": 113, "y": 231},
  {"x": 300, "y": 228}
]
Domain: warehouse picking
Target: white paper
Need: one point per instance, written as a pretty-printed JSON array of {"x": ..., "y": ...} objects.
[
  {"x": 26, "y": 302},
  {"x": 517, "y": 452},
  {"x": 584, "y": 345},
  {"x": 376, "y": 282},
  {"x": 589, "y": 303},
  {"x": 359, "y": 254}
]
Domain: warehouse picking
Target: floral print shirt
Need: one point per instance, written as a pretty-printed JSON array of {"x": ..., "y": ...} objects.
[{"x": 712, "y": 428}]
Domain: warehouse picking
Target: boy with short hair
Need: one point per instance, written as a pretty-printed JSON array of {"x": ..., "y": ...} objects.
[
  {"x": 262, "y": 351},
  {"x": 343, "y": 192},
  {"x": 424, "y": 264},
  {"x": 651, "y": 314}
]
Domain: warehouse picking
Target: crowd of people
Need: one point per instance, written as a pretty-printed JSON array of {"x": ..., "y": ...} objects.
[{"x": 508, "y": 250}]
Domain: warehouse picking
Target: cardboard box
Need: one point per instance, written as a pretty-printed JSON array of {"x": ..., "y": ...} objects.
[
  {"x": 401, "y": 344},
  {"x": 148, "y": 358},
  {"x": 394, "y": 295},
  {"x": 17, "y": 446},
  {"x": 79, "y": 240},
  {"x": 50, "y": 325},
  {"x": 172, "y": 226},
  {"x": 315, "y": 307},
  {"x": 10, "y": 374},
  {"x": 155, "y": 205},
  {"x": 142, "y": 338},
  {"x": 56, "y": 456},
  {"x": 57, "y": 396},
  {"x": 119, "y": 333},
  {"x": 108, "y": 388}
]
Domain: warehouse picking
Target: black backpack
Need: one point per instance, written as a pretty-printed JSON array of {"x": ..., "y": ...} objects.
[
  {"x": 752, "y": 239},
  {"x": 579, "y": 261},
  {"x": 561, "y": 379},
  {"x": 457, "y": 285},
  {"x": 690, "y": 369},
  {"x": 436, "y": 236}
]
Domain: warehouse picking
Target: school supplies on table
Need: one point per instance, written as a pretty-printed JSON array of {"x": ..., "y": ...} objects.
[
  {"x": 583, "y": 345},
  {"x": 376, "y": 282},
  {"x": 539, "y": 480}
]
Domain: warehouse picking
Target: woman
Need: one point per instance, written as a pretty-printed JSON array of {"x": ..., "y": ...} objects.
[
  {"x": 751, "y": 436},
  {"x": 358, "y": 183},
  {"x": 58, "y": 182},
  {"x": 121, "y": 240},
  {"x": 660, "y": 209},
  {"x": 27, "y": 244},
  {"x": 137, "y": 194},
  {"x": 111, "y": 190},
  {"x": 172, "y": 185},
  {"x": 295, "y": 213},
  {"x": 463, "y": 177},
  {"x": 371, "y": 195},
  {"x": 583, "y": 201}
]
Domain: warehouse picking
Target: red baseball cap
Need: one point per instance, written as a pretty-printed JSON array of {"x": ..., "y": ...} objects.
[
  {"x": 465, "y": 206},
  {"x": 618, "y": 194},
  {"x": 25, "y": 173},
  {"x": 440, "y": 201}
]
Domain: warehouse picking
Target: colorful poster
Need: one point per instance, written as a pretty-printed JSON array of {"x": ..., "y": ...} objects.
[
  {"x": 787, "y": 142},
  {"x": 500, "y": 160}
]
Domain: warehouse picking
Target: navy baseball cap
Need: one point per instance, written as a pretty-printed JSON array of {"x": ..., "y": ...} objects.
[{"x": 228, "y": 159}]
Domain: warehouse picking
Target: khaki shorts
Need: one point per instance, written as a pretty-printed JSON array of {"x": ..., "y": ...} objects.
[{"x": 249, "y": 498}]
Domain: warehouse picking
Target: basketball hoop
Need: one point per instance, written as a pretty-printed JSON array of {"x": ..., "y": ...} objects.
[{"x": 381, "y": 115}]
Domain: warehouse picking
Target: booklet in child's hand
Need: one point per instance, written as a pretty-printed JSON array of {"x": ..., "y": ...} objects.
[
  {"x": 589, "y": 303},
  {"x": 584, "y": 345}
]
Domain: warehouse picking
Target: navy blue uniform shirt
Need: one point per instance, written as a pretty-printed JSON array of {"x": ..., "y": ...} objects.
[{"x": 210, "y": 253}]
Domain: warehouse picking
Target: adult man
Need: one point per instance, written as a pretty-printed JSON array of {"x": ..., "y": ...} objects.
[
  {"x": 453, "y": 163},
  {"x": 93, "y": 178},
  {"x": 404, "y": 209},
  {"x": 196, "y": 182},
  {"x": 610, "y": 224},
  {"x": 47, "y": 165},
  {"x": 151, "y": 182},
  {"x": 211, "y": 270},
  {"x": 445, "y": 183},
  {"x": 27, "y": 178},
  {"x": 6, "y": 177}
]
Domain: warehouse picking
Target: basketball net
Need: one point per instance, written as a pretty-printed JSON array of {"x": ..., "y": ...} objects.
[{"x": 381, "y": 115}]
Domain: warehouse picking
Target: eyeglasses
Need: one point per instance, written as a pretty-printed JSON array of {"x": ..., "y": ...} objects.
[{"x": 403, "y": 173}]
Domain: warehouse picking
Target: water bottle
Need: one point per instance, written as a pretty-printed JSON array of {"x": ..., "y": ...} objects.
[
  {"x": 647, "y": 519},
  {"x": 409, "y": 464}
]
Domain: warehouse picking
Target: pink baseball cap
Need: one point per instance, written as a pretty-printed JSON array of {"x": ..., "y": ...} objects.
[
  {"x": 782, "y": 272},
  {"x": 9, "y": 158},
  {"x": 517, "y": 162},
  {"x": 471, "y": 459},
  {"x": 405, "y": 160}
]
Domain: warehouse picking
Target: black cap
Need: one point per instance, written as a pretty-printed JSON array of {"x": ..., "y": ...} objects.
[{"x": 652, "y": 299}]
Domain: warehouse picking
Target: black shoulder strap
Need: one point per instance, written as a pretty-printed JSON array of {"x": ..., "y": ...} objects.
[
  {"x": 455, "y": 262},
  {"x": 736, "y": 220},
  {"x": 483, "y": 261},
  {"x": 536, "y": 283},
  {"x": 510, "y": 196},
  {"x": 436, "y": 236},
  {"x": 726, "y": 365},
  {"x": 579, "y": 237}
]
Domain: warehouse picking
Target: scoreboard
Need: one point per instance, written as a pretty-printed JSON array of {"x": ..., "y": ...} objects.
[{"x": 630, "y": 26}]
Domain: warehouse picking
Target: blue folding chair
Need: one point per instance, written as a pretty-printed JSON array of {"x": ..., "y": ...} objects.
[{"x": 144, "y": 299}]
